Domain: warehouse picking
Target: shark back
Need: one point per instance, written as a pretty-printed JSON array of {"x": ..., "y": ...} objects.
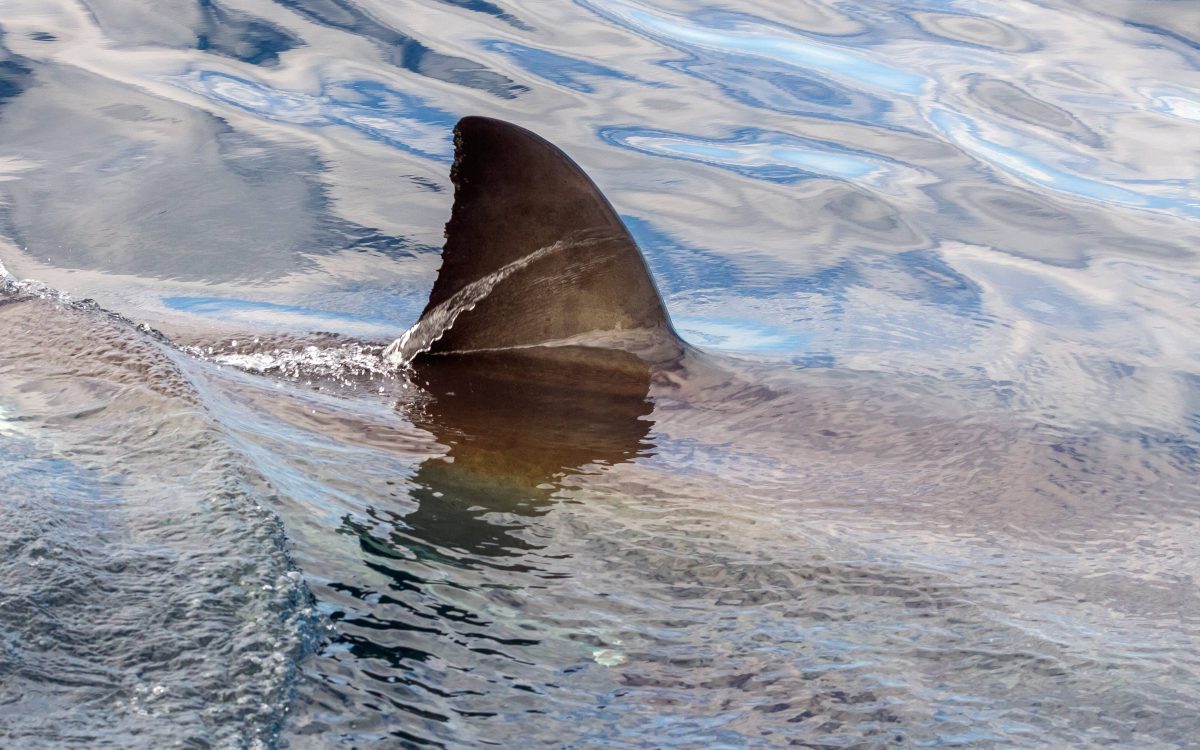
[{"x": 534, "y": 253}]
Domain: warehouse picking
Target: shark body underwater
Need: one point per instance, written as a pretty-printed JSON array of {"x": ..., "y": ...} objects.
[{"x": 549, "y": 377}]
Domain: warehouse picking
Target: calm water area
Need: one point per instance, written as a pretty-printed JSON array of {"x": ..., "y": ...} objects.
[{"x": 936, "y": 485}]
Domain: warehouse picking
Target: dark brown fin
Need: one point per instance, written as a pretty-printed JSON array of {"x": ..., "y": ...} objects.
[{"x": 515, "y": 195}]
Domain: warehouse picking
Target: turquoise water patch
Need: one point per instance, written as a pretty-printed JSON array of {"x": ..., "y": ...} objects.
[{"x": 751, "y": 337}]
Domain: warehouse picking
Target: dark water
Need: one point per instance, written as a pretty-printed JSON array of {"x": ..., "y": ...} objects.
[{"x": 939, "y": 485}]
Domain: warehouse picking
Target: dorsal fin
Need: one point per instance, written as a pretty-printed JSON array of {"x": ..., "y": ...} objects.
[{"x": 530, "y": 224}]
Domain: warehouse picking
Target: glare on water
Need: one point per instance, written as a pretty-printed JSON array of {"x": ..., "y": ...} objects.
[{"x": 933, "y": 481}]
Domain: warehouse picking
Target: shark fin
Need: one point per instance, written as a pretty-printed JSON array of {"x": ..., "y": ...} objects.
[{"x": 534, "y": 253}]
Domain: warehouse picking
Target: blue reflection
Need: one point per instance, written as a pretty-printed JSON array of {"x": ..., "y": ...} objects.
[
  {"x": 377, "y": 111},
  {"x": 1044, "y": 301},
  {"x": 383, "y": 322},
  {"x": 1018, "y": 160},
  {"x": 916, "y": 275},
  {"x": 1192, "y": 420},
  {"x": 240, "y": 36},
  {"x": 15, "y": 75},
  {"x": 782, "y": 88},
  {"x": 951, "y": 25},
  {"x": 562, "y": 70},
  {"x": 778, "y": 75},
  {"x": 405, "y": 51},
  {"x": 679, "y": 268},
  {"x": 736, "y": 35},
  {"x": 25, "y": 471},
  {"x": 741, "y": 335},
  {"x": 1180, "y": 104},
  {"x": 924, "y": 276},
  {"x": 1162, "y": 32},
  {"x": 755, "y": 153},
  {"x": 939, "y": 306},
  {"x": 490, "y": 9}
]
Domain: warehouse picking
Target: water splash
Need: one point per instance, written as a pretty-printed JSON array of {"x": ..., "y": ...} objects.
[
  {"x": 431, "y": 327},
  {"x": 16, "y": 289},
  {"x": 11, "y": 286},
  {"x": 346, "y": 363}
]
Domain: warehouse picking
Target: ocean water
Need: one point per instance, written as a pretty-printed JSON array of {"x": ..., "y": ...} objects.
[{"x": 935, "y": 481}]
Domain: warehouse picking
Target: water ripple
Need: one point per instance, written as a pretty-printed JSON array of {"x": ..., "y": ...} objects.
[
  {"x": 931, "y": 482},
  {"x": 742, "y": 36},
  {"x": 404, "y": 50},
  {"x": 771, "y": 156},
  {"x": 380, "y": 113},
  {"x": 562, "y": 70}
]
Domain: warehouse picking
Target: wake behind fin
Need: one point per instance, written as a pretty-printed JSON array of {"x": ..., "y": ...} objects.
[{"x": 534, "y": 253}]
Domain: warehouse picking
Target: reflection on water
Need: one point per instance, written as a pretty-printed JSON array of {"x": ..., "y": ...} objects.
[
  {"x": 405, "y": 51},
  {"x": 377, "y": 111},
  {"x": 513, "y": 439},
  {"x": 949, "y": 500}
]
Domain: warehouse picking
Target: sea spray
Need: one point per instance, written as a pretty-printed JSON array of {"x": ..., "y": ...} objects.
[{"x": 433, "y": 325}]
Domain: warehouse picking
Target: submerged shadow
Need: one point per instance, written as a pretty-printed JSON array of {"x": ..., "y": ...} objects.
[
  {"x": 434, "y": 629},
  {"x": 518, "y": 423}
]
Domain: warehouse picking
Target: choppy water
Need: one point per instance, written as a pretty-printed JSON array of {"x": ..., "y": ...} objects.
[{"x": 937, "y": 486}]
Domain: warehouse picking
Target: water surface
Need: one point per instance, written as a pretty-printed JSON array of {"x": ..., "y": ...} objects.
[{"x": 938, "y": 486}]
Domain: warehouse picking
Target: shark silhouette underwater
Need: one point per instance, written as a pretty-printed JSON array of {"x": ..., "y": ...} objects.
[
  {"x": 545, "y": 357},
  {"x": 545, "y": 347},
  {"x": 544, "y": 332}
]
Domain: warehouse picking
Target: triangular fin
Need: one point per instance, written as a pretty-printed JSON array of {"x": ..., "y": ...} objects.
[{"x": 534, "y": 231}]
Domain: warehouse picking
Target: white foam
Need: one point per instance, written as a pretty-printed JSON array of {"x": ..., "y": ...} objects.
[
  {"x": 8, "y": 425},
  {"x": 340, "y": 362}
]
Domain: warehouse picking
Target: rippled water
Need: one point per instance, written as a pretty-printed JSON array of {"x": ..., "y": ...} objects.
[{"x": 935, "y": 482}]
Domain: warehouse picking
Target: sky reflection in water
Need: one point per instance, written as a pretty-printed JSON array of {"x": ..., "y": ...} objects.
[{"x": 995, "y": 203}]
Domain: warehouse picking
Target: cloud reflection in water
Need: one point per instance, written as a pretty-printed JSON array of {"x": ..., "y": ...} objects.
[{"x": 380, "y": 113}]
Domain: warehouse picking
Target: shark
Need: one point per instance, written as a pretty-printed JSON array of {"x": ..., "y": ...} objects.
[
  {"x": 545, "y": 347},
  {"x": 545, "y": 344},
  {"x": 535, "y": 257},
  {"x": 543, "y": 370}
]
